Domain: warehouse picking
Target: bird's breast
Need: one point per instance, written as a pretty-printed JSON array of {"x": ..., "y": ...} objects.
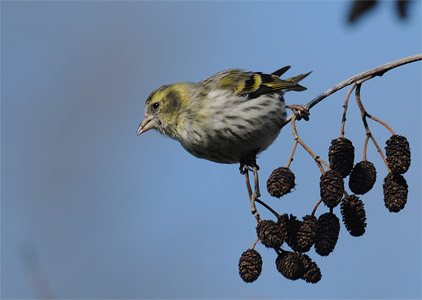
[{"x": 226, "y": 127}]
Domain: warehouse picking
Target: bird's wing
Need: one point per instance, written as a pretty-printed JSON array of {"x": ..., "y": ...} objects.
[{"x": 254, "y": 84}]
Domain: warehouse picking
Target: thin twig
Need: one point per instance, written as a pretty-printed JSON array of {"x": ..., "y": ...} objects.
[
  {"x": 346, "y": 104},
  {"x": 317, "y": 159},
  {"x": 254, "y": 243},
  {"x": 382, "y": 123},
  {"x": 364, "y": 115},
  {"x": 268, "y": 207},
  {"x": 365, "y": 147},
  {"x": 378, "y": 71},
  {"x": 315, "y": 207},
  {"x": 320, "y": 160},
  {"x": 291, "y": 154}
]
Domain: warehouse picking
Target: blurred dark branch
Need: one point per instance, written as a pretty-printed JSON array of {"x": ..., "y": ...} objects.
[
  {"x": 36, "y": 276},
  {"x": 402, "y": 8},
  {"x": 360, "y": 78},
  {"x": 359, "y": 8}
]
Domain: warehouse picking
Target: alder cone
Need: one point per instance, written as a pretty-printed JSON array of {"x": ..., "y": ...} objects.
[
  {"x": 290, "y": 265},
  {"x": 331, "y": 188},
  {"x": 354, "y": 216},
  {"x": 269, "y": 233},
  {"x": 395, "y": 192},
  {"x": 312, "y": 272},
  {"x": 341, "y": 155},
  {"x": 280, "y": 182},
  {"x": 363, "y": 177},
  {"x": 326, "y": 233},
  {"x": 306, "y": 234},
  {"x": 398, "y": 154},
  {"x": 250, "y": 265}
]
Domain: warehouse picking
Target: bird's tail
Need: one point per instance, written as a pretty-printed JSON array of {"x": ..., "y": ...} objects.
[
  {"x": 291, "y": 84},
  {"x": 295, "y": 80},
  {"x": 298, "y": 78}
]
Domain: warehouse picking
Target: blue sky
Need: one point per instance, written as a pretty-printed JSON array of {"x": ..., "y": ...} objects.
[{"x": 89, "y": 210}]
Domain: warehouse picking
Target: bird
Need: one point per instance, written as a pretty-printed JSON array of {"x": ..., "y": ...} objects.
[{"x": 227, "y": 118}]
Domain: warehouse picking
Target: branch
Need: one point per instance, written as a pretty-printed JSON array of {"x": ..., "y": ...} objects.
[
  {"x": 317, "y": 159},
  {"x": 359, "y": 78},
  {"x": 364, "y": 115},
  {"x": 346, "y": 105}
]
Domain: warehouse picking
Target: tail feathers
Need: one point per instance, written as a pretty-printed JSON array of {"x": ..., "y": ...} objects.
[
  {"x": 298, "y": 78},
  {"x": 281, "y": 71},
  {"x": 296, "y": 87},
  {"x": 294, "y": 81}
]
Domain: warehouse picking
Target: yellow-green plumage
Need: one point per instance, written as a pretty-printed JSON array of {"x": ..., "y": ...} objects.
[{"x": 225, "y": 118}]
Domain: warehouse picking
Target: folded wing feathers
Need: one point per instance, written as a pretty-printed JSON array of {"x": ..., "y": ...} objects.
[{"x": 254, "y": 84}]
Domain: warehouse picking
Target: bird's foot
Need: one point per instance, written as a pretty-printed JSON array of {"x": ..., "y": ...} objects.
[
  {"x": 247, "y": 162},
  {"x": 300, "y": 111}
]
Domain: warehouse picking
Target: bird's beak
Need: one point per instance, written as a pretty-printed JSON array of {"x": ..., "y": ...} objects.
[{"x": 147, "y": 124}]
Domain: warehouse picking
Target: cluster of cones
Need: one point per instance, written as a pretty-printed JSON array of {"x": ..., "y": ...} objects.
[{"x": 323, "y": 232}]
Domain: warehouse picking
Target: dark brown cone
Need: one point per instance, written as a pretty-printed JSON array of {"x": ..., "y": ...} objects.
[
  {"x": 354, "y": 216},
  {"x": 331, "y": 188},
  {"x": 283, "y": 222},
  {"x": 250, "y": 265},
  {"x": 326, "y": 233},
  {"x": 363, "y": 177},
  {"x": 341, "y": 156},
  {"x": 312, "y": 273},
  {"x": 395, "y": 192},
  {"x": 269, "y": 233},
  {"x": 398, "y": 154},
  {"x": 290, "y": 265},
  {"x": 280, "y": 182},
  {"x": 306, "y": 234},
  {"x": 293, "y": 226}
]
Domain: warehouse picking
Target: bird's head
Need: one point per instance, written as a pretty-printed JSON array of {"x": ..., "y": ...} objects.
[{"x": 162, "y": 109}]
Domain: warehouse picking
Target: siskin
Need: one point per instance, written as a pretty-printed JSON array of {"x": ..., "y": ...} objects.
[{"x": 227, "y": 118}]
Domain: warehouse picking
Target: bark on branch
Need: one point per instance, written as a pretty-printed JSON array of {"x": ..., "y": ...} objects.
[{"x": 359, "y": 78}]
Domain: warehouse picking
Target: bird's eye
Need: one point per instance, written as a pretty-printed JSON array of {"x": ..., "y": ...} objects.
[{"x": 156, "y": 105}]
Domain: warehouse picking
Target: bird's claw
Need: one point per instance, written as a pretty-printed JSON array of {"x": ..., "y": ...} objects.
[
  {"x": 246, "y": 163},
  {"x": 300, "y": 111}
]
